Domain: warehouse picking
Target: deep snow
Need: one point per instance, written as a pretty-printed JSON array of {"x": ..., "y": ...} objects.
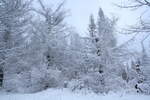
[{"x": 60, "y": 94}]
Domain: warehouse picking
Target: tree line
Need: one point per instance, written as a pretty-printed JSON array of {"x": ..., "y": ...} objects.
[{"x": 37, "y": 53}]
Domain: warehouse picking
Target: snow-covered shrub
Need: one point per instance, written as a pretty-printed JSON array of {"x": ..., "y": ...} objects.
[{"x": 92, "y": 82}]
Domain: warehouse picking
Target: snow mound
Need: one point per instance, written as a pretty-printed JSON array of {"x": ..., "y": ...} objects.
[{"x": 63, "y": 94}]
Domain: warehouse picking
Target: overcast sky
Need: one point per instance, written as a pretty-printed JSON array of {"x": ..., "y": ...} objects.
[{"x": 81, "y": 9}]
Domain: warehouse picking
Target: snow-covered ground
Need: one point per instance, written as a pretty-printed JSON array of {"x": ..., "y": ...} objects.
[{"x": 51, "y": 94}]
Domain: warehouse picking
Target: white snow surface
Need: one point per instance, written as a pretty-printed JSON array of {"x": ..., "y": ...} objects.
[{"x": 63, "y": 94}]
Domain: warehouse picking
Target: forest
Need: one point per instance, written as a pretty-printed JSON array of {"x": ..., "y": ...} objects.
[{"x": 39, "y": 50}]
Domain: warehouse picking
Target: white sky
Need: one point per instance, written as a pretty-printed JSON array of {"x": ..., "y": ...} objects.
[{"x": 81, "y": 9}]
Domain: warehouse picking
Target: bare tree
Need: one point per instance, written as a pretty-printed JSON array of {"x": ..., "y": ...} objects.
[
  {"x": 136, "y": 4},
  {"x": 144, "y": 24}
]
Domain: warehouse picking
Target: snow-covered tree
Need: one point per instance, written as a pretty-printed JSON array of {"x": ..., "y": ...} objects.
[
  {"x": 53, "y": 28},
  {"x": 14, "y": 18},
  {"x": 92, "y": 29},
  {"x": 104, "y": 41},
  {"x": 49, "y": 41}
]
